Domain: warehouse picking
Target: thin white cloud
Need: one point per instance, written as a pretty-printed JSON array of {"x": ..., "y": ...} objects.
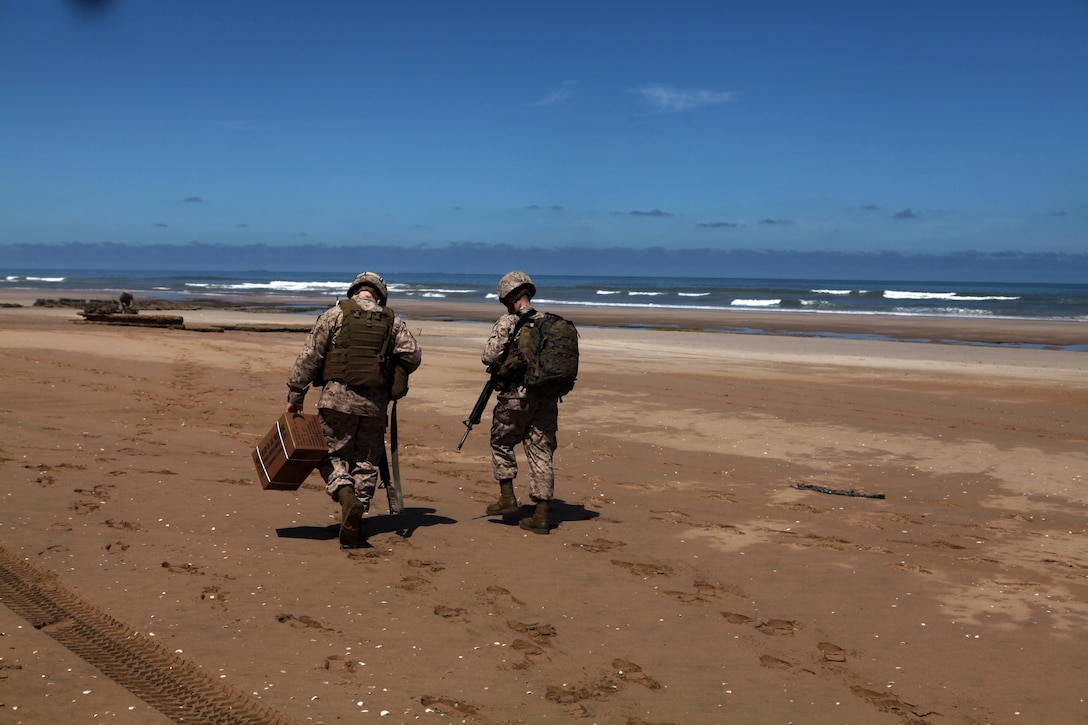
[
  {"x": 563, "y": 93},
  {"x": 676, "y": 100}
]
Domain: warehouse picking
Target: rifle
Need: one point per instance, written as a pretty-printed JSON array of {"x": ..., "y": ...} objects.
[
  {"x": 478, "y": 410},
  {"x": 492, "y": 380},
  {"x": 391, "y": 484}
]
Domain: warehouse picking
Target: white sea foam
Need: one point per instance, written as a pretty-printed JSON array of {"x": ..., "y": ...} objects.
[
  {"x": 274, "y": 285},
  {"x": 836, "y": 291},
  {"x": 909, "y": 295},
  {"x": 755, "y": 303},
  {"x": 944, "y": 312},
  {"x": 609, "y": 292},
  {"x": 693, "y": 294},
  {"x": 44, "y": 279},
  {"x": 627, "y": 305},
  {"x": 634, "y": 293}
]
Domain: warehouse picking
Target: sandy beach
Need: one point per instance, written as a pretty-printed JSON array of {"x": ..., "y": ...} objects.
[{"x": 706, "y": 566}]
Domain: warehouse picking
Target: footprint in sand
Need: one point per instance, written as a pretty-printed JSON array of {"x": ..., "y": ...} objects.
[
  {"x": 777, "y": 627},
  {"x": 213, "y": 595},
  {"x": 123, "y": 525},
  {"x": 84, "y": 507},
  {"x": 775, "y": 663},
  {"x": 364, "y": 552},
  {"x": 339, "y": 663},
  {"x": 414, "y": 584},
  {"x": 449, "y": 706},
  {"x": 600, "y": 545},
  {"x": 532, "y": 653},
  {"x": 497, "y": 594},
  {"x": 432, "y": 566},
  {"x": 643, "y": 569},
  {"x": 596, "y": 689},
  {"x": 913, "y": 568},
  {"x": 451, "y": 614},
  {"x": 686, "y": 597},
  {"x": 301, "y": 621},
  {"x": 600, "y": 686},
  {"x": 772, "y": 627},
  {"x": 526, "y": 647},
  {"x": 832, "y": 652},
  {"x": 182, "y": 568},
  {"x": 704, "y": 592},
  {"x": 885, "y": 701},
  {"x": 100, "y": 492},
  {"x": 630, "y": 672},
  {"x": 539, "y": 632}
]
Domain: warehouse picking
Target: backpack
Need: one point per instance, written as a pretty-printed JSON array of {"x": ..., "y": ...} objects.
[{"x": 549, "y": 344}]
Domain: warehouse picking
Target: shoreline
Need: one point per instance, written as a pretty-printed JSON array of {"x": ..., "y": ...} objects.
[{"x": 257, "y": 313}]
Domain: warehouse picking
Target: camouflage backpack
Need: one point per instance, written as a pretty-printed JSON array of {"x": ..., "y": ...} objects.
[{"x": 549, "y": 344}]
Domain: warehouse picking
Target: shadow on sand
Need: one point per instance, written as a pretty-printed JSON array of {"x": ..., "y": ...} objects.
[
  {"x": 558, "y": 512},
  {"x": 403, "y": 525}
]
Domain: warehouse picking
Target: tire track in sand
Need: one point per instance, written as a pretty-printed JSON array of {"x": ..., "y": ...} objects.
[{"x": 172, "y": 685}]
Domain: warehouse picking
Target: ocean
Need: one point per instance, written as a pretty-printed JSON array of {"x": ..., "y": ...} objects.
[{"x": 316, "y": 290}]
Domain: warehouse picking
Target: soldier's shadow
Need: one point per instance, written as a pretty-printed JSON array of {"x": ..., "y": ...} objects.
[
  {"x": 558, "y": 512},
  {"x": 403, "y": 525}
]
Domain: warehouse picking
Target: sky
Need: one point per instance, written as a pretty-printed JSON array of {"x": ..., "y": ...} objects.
[{"x": 928, "y": 126}]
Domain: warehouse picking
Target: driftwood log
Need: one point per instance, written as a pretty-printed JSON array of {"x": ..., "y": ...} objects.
[{"x": 138, "y": 320}]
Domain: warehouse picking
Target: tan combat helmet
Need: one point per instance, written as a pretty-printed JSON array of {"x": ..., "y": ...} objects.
[
  {"x": 512, "y": 281},
  {"x": 374, "y": 281}
]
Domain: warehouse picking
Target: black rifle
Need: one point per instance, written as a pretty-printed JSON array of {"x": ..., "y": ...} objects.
[
  {"x": 478, "y": 410},
  {"x": 492, "y": 380}
]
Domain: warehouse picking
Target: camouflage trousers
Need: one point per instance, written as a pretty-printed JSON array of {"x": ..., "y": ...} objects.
[
  {"x": 533, "y": 422},
  {"x": 356, "y": 445}
]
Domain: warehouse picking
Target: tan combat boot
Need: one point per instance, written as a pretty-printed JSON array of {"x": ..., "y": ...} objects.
[
  {"x": 507, "y": 505},
  {"x": 538, "y": 523},
  {"x": 351, "y": 515}
]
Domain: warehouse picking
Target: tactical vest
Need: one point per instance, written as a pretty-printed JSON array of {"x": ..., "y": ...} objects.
[{"x": 362, "y": 354}]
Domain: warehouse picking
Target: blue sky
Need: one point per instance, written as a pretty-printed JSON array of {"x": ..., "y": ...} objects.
[{"x": 779, "y": 125}]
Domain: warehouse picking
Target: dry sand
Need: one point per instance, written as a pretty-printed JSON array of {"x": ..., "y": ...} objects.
[{"x": 689, "y": 579}]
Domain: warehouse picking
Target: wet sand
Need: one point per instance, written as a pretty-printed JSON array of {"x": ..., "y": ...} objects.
[{"x": 699, "y": 571}]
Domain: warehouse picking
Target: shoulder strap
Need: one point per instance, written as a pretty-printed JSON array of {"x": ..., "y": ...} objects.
[{"x": 522, "y": 319}]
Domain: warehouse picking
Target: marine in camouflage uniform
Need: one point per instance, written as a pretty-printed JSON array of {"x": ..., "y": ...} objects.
[
  {"x": 519, "y": 416},
  {"x": 353, "y": 419}
]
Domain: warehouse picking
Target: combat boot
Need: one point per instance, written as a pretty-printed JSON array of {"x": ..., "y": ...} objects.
[
  {"x": 351, "y": 515},
  {"x": 507, "y": 505},
  {"x": 538, "y": 522}
]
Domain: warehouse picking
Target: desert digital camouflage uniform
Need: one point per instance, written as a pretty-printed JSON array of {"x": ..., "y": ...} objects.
[
  {"x": 353, "y": 419},
  {"x": 520, "y": 416}
]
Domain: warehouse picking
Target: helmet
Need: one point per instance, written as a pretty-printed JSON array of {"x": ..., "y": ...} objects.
[
  {"x": 374, "y": 281},
  {"x": 512, "y": 281}
]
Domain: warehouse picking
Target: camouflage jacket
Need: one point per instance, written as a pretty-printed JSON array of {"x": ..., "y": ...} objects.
[
  {"x": 511, "y": 373},
  {"x": 335, "y": 395}
]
